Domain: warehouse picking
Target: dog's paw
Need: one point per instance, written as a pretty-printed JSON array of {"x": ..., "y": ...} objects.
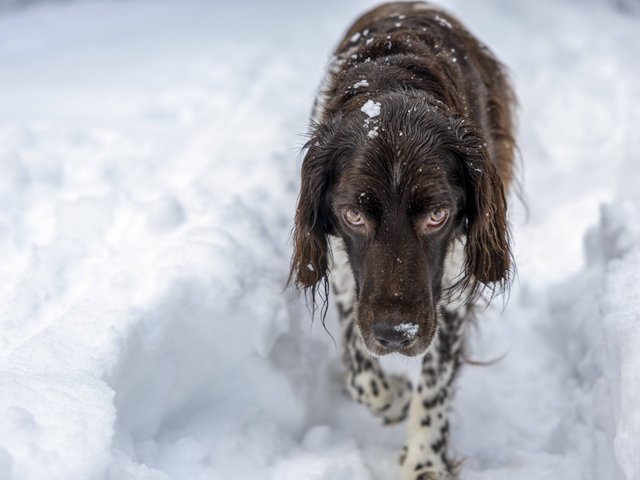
[
  {"x": 431, "y": 475},
  {"x": 426, "y": 471},
  {"x": 433, "y": 469}
]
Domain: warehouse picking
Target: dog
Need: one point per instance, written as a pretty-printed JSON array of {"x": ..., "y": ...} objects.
[{"x": 402, "y": 209}]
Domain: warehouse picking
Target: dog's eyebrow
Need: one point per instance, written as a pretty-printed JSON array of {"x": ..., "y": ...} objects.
[
  {"x": 357, "y": 197},
  {"x": 364, "y": 199}
]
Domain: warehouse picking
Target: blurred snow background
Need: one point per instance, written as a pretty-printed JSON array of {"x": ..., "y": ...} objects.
[{"x": 149, "y": 159}]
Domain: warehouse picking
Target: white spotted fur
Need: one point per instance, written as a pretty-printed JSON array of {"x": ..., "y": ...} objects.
[{"x": 399, "y": 399}]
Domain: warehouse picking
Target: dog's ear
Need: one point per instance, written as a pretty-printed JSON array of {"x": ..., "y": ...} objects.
[
  {"x": 310, "y": 261},
  {"x": 487, "y": 249}
]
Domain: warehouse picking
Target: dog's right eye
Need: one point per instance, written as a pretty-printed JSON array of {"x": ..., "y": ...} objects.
[
  {"x": 353, "y": 216},
  {"x": 436, "y": 219}
]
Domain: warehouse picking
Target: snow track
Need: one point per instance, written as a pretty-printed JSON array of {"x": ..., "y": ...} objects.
[{"x": 149, "y": 153}]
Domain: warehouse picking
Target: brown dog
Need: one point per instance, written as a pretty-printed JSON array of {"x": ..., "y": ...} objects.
[{"x": 403, "y": 185}]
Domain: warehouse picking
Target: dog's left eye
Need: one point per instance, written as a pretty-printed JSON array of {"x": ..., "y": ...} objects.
[
  {"x": 437, "y": 218},
  {"x": 353, "y": 216}
]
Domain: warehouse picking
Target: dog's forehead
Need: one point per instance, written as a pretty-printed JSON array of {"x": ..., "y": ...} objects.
[
  {"x": 397, "y": 150},
  {"x": 390, "y": 178},
  {"x": 398, "y": 162}
]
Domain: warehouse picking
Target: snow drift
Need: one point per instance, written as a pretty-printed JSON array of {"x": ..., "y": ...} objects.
[{"x": 149, "y": 153}]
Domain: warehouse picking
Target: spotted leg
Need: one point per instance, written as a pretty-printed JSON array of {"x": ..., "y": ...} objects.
[
  {"x": 386, "y": 396},
  {"x": 425, "y": 456}
]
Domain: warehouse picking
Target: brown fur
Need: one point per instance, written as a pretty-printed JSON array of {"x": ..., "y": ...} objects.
[{"x": 445, "y": 136}]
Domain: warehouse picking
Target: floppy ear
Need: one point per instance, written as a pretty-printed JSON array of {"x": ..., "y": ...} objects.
[
  {"x": 487, "y": 249},
  {"x": 310, "y": 263}
]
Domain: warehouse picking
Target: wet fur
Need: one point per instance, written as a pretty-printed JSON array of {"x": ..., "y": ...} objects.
[{"x": 444, "y": 133}]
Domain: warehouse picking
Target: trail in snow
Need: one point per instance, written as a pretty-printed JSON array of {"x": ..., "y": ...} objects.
[{"x": 149, "y": 153}]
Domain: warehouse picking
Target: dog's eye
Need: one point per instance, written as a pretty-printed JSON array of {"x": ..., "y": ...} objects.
[
  {"x": 353, "y": 216},
  {"x": 437, "y": 218}
]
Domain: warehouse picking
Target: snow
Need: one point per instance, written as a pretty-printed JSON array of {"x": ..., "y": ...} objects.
[
  {"x": 371, "y": 108},
  {"x": 615, "y": 253},
  {"x": 442, "y": 21},
  {"x": 150, "y": 164},
  {"x": 361, "y": 83},
  {"x": 408, "y": 329}
]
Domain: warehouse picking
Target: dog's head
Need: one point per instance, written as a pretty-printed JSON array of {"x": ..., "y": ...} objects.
[{"x": 399, "y": 181}]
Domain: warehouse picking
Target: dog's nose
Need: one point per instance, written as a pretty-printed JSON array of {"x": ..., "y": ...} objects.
[{"x": 395, "y": 336}]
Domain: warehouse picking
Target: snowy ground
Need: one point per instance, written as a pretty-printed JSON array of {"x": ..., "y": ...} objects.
[{"x": 149, "y": 159}]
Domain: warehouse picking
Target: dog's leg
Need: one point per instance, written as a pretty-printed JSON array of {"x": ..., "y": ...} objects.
[
  {"x": 425, "y": 456},
  {"x": 386, "y": 396}
]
